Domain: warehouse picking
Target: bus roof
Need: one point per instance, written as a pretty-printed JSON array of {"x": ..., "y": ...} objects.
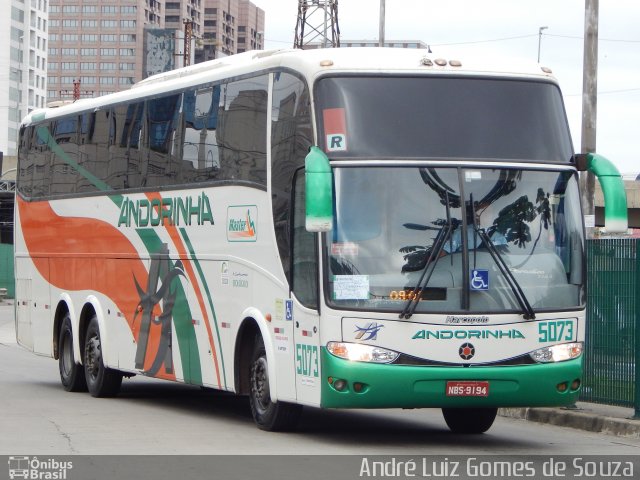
[{"x": 311, "y": 64}]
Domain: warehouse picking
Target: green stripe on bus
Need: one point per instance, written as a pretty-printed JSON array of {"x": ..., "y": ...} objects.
[
  {"x": 196, "y": 262},
  {"x": 182, "y": 319}
]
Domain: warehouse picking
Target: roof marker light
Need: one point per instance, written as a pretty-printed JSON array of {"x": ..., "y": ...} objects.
[
  {"x": 455, "y": 63},
  {"x": 441, "y": 62},
  {"x": 426, "y": 62},
  {"x": 326, "y": 63},
  {"x": 546, "y": 69}
]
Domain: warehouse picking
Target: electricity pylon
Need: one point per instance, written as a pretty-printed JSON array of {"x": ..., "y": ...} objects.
[{"x": 317, "y": 24}]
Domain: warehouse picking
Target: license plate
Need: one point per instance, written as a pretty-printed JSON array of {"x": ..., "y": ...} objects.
[{"x": 467, "y": 389}]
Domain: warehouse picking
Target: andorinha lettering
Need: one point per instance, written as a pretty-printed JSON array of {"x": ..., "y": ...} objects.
[
  {"x": 166, "y": 211},
  {"x": 467, "y": 334}
]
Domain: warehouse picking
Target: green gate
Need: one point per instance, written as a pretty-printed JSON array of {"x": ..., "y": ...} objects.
[
  {"x": 611, "y": 346},
  {"x": 6, "y": 269}
]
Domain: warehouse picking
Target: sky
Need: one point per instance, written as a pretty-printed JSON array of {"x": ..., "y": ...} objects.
[{"x": 503, "y": 29}]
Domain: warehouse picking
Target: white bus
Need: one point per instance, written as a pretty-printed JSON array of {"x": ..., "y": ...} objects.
[{"x": 339, "y": 228}]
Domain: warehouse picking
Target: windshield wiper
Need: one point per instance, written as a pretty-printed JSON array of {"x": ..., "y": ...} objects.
[
  {"x": 528, "y": 312},
  {"x": 434, "y": 255}
]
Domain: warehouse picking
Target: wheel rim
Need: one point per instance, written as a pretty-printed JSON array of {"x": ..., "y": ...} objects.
[
  {"x": 93, "y": 356},
  {"x": 260, "y": 385},
  {"x": 67, "y": 357}
]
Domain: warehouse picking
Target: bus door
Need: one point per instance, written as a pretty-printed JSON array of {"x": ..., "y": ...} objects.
[{"x": 302, "y": 308}]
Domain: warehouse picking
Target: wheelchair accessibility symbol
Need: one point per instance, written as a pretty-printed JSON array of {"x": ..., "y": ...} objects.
[{"x": 479, "y": 280}]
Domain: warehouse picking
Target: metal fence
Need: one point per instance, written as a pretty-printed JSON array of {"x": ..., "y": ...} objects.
[
  {"x": 613, "y": 335},
  {"x": 6, "y": 269}
]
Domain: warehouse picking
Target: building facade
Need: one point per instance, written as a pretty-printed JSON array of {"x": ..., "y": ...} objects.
[
  {"x": 229, "y": 27},
  {"x": 23, "y": 60},
  {"x": 103, "y": 46},
  {"x": 97, "y": 45}
]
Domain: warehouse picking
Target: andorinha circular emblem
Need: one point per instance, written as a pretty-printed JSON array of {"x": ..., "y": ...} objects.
[{"x": 466, "y": 351}]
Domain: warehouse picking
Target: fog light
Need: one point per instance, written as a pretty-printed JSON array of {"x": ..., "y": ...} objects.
[
  {"x": 562, "y": 387},
  {"x": 358, "y": 387},
  {"x": 575, "y": 385},
  {"x": 340, "y": 385}
]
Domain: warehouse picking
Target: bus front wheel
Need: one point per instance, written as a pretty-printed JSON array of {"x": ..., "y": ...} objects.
[
  {"x": 469, "y": 420},
  {"x": 101, "y": 381},
  {"x": 71, "y": 373},
  {"x": 268, "y": 415}
]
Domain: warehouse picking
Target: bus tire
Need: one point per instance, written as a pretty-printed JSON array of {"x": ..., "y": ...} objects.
[
  {"x": 469, "y": 420},
  {"x": 270, "y": 416},
  {"x": 101, "y": 381},
  {"x": 71, "y": 373}
]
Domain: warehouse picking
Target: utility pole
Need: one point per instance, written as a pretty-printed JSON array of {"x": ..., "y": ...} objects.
[
  {"x": 188, "y": 33},
  {"x": 382, "y": 19},
  {"x": 589, "y": 102},
  {"x": 317, "y": 24},
  {"x": 540, "y": 40}
]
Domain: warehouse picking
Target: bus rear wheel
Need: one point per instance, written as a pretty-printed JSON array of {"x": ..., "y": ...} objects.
[
  {"x": 101, "y": 381},
  {"x": 469, "y": 420},
  {"x": 270, "y": 416},
  {"x": 71, "y": 373}
]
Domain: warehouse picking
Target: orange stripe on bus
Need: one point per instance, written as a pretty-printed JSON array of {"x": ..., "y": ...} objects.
[{"x": 74, "y": 253}]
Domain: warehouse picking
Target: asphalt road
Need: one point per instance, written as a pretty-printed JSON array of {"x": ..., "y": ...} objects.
[{"x": 161, "y": 418}]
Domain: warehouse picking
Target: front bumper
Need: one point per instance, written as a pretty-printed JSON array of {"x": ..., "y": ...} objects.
[{"x": 401, "y": 386}]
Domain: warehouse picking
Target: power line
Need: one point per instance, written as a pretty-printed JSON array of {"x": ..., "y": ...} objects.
[
  {"x": 575, "y": 37},
  {"x": 484, "y": 41},
  {"x": 607, "y": 92}
]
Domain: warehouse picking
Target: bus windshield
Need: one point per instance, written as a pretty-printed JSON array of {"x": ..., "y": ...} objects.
[
  {"x": 442, "y": 117},
  {"x": 387, "y": 224}
]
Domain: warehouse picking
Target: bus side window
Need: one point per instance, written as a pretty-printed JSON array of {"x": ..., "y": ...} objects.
[
  {"x": 291, "y": 137},
  {"x": 304, "y": 254},
  {"x": 125, "y": 148},
  {"x": 162, "y": 119},
  {"x": 28, "y": 151},
  {"x": 242, "y": 130},
  {"x": 62, "y": 164},
  {"x": 200, "y": 154}
]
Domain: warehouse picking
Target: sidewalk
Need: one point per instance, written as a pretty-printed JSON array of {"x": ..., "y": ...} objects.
[
  {"x": 590, "y": 417},
  {"x": 7, "y": 324}
]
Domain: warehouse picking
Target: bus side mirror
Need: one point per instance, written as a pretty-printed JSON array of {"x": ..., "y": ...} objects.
[
  {"x": 318, "y": 191},
  {"x": 615, "y": 197}
]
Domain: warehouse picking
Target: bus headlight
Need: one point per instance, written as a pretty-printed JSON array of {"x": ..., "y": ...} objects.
[
  {"x": 361, "y": 353},
  {"x": 557, "y": 353}
]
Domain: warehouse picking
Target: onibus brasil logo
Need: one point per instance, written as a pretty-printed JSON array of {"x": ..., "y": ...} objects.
[{"x": 38, "y": 469}]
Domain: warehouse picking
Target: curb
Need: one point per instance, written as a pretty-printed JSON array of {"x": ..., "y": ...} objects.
[{"x": 581, "y": 420}]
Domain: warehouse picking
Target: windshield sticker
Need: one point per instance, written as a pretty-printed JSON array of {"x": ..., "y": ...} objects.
[
  {"x": 351, "y": 287},
  {"x": 470, "y": 176},
  {"x": 335, "y": 129},
  {"x": 344, "y": 249}
]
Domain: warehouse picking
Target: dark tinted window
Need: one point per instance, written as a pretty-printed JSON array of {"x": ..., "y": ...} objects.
[
  {"x": 242, "y": 130},
  {"x": 305, "y": 256},
  {"x": 212, "y": 132},
  {"x": 200, "y": 149},
  {"x": 429, "y": 117},
  {"x": 291, "y": 136}
]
